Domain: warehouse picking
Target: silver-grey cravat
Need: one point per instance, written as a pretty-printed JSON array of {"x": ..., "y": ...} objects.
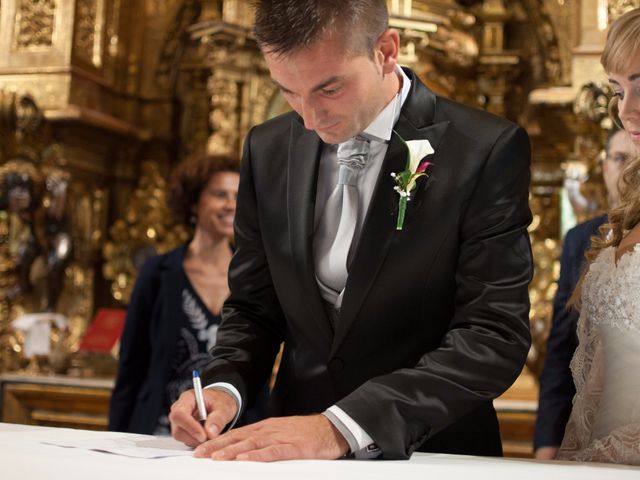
[{"x": 335, "y": 232}]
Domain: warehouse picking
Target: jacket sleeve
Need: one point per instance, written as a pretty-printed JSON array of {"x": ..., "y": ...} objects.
[
  {"x": 135, "y": 347},
  {"x": 488, "y": 337}
]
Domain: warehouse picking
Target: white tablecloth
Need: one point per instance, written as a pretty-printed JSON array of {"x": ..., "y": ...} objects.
[{"x": 23, "y": 456}]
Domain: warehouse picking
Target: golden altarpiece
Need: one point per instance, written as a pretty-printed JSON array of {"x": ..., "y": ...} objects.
[{"x": 99, "y": 98}]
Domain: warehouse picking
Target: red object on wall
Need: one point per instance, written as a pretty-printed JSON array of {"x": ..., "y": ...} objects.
[{"x": 104, "y": 331}]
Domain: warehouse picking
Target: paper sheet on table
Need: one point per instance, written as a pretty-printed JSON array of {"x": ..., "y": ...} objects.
[{"x": 143, "y": 447}]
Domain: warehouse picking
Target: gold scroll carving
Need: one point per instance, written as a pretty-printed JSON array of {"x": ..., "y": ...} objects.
[
  {"x": 50, "y": 222},
  {"x": 583, "y": 176},
  {"x": 147, "y": 229},
  {"x": 34, "y": 23},
  {"x": 88, "y": 30},
  {"x": 223, "y": 118},
  {"x": 616, "y": 8},
  {"x": 237, "y": 12},
  {"x": 545, "y": 207},
  {"x": 36, "y": 246}
]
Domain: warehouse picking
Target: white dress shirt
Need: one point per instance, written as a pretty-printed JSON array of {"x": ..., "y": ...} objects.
[{"x": 379, "y": 132}]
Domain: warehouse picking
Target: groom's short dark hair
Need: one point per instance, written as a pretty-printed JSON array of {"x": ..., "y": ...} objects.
[{"x": 286, "y": 26}]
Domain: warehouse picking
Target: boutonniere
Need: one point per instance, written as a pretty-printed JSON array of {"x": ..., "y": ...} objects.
[{"x": 415, "y": 168}]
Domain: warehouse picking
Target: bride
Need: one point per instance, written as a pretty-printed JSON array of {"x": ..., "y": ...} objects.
[{"x": 605, "y": 421}]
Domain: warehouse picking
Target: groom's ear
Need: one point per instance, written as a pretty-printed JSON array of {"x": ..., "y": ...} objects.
[{"x": 387, "y": 48}]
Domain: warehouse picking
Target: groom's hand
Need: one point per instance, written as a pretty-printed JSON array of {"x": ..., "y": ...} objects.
[
  {"x": 283, "y": 438},
  {"x": 221, "y": 408}
]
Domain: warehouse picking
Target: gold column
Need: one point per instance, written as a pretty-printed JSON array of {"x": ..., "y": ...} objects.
[
  {"x": 497, "y": 67},
  {"x": 238, "y": 84}
]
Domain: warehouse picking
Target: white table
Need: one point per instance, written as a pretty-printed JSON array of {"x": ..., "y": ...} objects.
[{"x": 23, "y": 456}]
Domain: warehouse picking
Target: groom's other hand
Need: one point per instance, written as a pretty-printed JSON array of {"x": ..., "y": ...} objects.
[{"x": 282, "y": 438}]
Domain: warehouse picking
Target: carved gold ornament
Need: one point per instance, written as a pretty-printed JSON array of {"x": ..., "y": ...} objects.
[{"x": 147, "y": 229}]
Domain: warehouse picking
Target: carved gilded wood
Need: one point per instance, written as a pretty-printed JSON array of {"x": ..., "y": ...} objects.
[
  {"x": 124, "y": 85},
  {"x": 146, "y": 229},
  {"x": 616, "y": 8},
  {"x": 34, "y": 24}
]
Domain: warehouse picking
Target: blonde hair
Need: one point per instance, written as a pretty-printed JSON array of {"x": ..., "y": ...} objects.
[
  {"x": 623, "y": 42},
  {"x": 622, "y": 48}
]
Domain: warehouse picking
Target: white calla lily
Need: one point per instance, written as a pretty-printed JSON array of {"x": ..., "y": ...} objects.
[
  {"x": 406, "y": 180},
  {"x": 418, "y": 149}
]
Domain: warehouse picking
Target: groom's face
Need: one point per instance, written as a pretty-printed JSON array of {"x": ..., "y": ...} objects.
[{"x": 337, "y": 93}]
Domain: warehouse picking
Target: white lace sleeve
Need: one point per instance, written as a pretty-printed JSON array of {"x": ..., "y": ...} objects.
[
  {"x": 604, "y": 425},
  {"x": 586, "y": 367}
]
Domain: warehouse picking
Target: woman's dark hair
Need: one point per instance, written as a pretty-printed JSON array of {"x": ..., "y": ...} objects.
[{"x": 190, "y": 177}]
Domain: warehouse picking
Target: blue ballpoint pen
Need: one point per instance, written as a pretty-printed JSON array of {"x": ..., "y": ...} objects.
[{"x": 197, "y": 388}]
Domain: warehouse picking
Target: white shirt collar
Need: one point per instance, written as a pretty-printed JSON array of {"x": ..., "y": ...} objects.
[{"x": 381, "y": 127}]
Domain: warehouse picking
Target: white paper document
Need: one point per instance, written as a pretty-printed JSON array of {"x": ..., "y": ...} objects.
[{"x": 143, "y": 447}]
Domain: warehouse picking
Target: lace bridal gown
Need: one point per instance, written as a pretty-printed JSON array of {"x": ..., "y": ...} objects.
[{"x": 605, "y": 420}]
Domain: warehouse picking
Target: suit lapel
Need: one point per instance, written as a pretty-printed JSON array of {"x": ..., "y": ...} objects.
[
  {"x": 379, "y": 229},
  {"x": 304, "y": 153},
  {"x": 304, "y": 158}
]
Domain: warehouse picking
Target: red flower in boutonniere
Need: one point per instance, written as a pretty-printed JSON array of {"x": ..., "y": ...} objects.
[{"x": 415, "y": 168}]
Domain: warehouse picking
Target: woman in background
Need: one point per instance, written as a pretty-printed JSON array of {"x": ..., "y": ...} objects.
[
  {"x": 604, "y": 425},
  {"x": 175, "y": 306}
]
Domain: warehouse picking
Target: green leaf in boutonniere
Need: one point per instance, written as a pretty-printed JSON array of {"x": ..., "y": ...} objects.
[{"x": 415, "y": 168}]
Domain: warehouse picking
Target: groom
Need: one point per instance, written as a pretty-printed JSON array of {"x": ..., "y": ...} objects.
[{"x": 397, "y": 334}]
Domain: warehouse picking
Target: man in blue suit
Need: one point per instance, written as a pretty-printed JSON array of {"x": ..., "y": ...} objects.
[{"x": 556, "y": 384}]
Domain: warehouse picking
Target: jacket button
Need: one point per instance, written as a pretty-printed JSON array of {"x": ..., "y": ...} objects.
[{"x": 336, "y": 364}]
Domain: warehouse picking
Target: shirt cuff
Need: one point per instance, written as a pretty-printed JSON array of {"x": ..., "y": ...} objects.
[
  {"x": 233, "y": 391},
  {"x": 360, "y": 443}
]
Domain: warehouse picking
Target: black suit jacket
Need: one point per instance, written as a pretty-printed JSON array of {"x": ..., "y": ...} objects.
[
  {"x": 556, "y": 382},
  {"x": 434, "y": 320}
]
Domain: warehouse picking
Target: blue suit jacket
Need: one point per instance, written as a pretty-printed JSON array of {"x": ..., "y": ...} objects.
[{"x": 556, "y": 383}]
